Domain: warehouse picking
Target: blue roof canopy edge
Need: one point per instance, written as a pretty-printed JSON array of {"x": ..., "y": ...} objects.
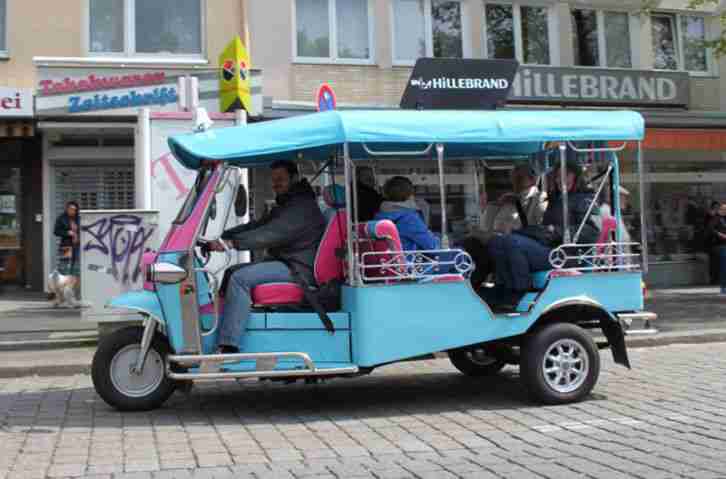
[{"x": 466, "y": 134}]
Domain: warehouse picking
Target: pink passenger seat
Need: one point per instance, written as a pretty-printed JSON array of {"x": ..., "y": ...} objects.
[{"x": 328, "y": 266}]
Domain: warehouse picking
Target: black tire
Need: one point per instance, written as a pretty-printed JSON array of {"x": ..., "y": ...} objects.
[
  {"x": 120, "y": 346},
  {"x": 568, "y": 382},
  {"x": 476, "y": 362}
]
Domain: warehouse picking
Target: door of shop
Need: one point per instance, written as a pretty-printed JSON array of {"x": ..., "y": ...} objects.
[{"x": 11, "y": 252}]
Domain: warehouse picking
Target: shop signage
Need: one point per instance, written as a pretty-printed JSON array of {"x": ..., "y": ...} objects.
[
  {"x": 94, "y": 90},
  {"x": 439, "y": 83},
  {"x": 593, "y": 86},
  {"x": 16, "y": 102}
]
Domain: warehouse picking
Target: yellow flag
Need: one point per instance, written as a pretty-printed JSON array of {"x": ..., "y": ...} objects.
[{"x": 234, "y": 78}]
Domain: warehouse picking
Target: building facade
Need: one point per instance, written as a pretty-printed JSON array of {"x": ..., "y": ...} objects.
[
  {"x": 596, "y": 53},
  {"x": 91, "y": 64}
]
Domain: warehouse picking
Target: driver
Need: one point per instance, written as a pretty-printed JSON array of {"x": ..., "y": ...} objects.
[{"x": 291, "y": 231}]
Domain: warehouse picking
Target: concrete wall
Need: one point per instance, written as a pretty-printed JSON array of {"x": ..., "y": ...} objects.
[{"x": 57, "y": 29}]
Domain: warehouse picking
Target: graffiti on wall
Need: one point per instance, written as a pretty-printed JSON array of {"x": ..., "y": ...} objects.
[
  {"x": 165, "y": 161},
  {"x": 122, "y": 239}
]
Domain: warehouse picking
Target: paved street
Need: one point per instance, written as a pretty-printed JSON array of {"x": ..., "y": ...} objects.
[{"x": 665, "y": 418}]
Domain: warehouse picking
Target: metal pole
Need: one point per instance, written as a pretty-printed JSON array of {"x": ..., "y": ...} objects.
[
  {"x": 349, "y": 215},
  {"x": 442, "y": 190},
  {"x": 643, "y": 228},
  {"x": 563, "y": 189}
]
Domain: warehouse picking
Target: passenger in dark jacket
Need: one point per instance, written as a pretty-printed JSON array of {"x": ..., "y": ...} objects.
[
  {"x": 291, "y": 231},
  {"x": 369, "y": 200},
  {"x": 527, "y": 250}
]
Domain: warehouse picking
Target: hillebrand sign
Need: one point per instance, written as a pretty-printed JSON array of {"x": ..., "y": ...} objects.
[
  {"x": 484, "y": 84},
  {"x": 592, "y": 86}
]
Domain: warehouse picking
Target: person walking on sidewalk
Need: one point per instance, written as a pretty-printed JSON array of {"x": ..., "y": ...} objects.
[{"x": 717, "y": 232}]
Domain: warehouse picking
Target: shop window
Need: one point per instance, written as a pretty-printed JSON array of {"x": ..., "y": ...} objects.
[
  {"x": 601, "y": 39},
  {"x": 161, "y": 27},
  {"x": 678, "y": 42},
  {"x": 333, "y": 31},
  {"x": 517, "y": 31},
  {"x": 3, "y": 27},
  {"x": 432, "y": 28}
]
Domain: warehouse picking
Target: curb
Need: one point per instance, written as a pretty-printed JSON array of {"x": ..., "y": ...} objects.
[
  {"x": 47, "y": 344},
  {"x": 633, "y": 342}
]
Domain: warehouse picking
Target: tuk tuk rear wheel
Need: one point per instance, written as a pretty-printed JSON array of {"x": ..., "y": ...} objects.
[
  {"x": 123, "y": 389},
  {"x": 560, "y": 363},
  {"x": 476, "y": 361}
]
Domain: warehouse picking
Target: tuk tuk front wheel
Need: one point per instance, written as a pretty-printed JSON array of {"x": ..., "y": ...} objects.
[
  {"x": 476, "y": 361},
  {"x": 116, "y": 381},
  {"x": 560, "y": 363}
]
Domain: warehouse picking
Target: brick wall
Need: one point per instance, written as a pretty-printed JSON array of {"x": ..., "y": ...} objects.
[{"x": 352, "y": 84}]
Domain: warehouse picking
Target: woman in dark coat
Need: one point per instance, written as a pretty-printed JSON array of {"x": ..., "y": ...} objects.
[{"x": 67, "y": 228}]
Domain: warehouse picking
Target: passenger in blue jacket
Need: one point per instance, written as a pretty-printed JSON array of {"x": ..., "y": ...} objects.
[{"x": 400, "y": 207}]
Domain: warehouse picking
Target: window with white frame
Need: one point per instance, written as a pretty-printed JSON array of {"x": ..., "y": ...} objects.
[
  {"x": 678, "y": 42},
  {"x": 3, "y": 27},
  {"x": 158, "y": 27},
  {"x": 333, "y": 30},
  {"x": 427, "y": 28},
  {"x": 517, "y": 31},
  {"x": 601, "y": 38}
]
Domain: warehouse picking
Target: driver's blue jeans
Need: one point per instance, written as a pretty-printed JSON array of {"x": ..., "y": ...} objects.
[{"x": 238, "y": 297}]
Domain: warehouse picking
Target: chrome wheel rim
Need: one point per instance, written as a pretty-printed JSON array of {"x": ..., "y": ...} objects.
[
  {"x": 565, "y": 366},
  {"x": 480, "y": 357},
  {"x": 131, "y": 384}
]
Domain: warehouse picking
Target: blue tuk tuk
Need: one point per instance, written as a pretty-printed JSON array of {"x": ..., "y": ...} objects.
[{"x": 395, "y": 305}]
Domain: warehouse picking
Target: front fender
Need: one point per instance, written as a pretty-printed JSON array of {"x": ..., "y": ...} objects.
[{"x": 145, "y": 302}]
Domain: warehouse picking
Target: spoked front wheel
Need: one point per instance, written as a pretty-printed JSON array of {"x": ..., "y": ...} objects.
[
  {"x": 560, "y": 363},
  {"x": 117, "y": 382}
]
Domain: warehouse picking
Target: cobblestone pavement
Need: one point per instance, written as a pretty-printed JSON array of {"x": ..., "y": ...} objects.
[{"x": 665, "y": 418}]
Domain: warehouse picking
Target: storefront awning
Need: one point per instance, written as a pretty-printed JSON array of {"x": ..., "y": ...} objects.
[{"x": 682, "y": 139}]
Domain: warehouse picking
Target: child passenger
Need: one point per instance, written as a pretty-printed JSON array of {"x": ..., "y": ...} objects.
[{"x": 400, "y": 207}]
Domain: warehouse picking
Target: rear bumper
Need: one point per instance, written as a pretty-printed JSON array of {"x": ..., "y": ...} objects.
[{"x": 638, "y": 323}]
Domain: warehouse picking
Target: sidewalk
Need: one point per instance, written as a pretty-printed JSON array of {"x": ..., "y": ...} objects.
[{"x": 37, "y": 339}]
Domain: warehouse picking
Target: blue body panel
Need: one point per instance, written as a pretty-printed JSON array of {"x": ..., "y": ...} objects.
[
  {"x": 305, "y": 321},
  {"x": 321, "y": 345},
  {"x": 394, "y": 322},
  {"x": 142, "y": 301},
  {"x": 466, "y": 134}
]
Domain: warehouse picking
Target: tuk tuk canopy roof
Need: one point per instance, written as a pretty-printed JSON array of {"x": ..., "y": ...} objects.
[{"x": 465, "y": 134}]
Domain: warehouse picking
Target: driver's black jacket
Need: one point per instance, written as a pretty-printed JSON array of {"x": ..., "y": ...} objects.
[{"x": 292, "y": 230}]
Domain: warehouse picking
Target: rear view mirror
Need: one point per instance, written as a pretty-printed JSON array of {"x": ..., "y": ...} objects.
[{"x": 240, "y": 202}]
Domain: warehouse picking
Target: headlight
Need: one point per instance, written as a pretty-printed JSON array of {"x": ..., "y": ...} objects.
[{"x": 166, "y": 273}]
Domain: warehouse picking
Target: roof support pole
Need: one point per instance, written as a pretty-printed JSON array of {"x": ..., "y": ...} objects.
[
  {"x": 564, "y": 187},
  {"x": 349, "y": 186},
  {"x": 643, "y": 226},
  {"x": 442, "y": 190}
]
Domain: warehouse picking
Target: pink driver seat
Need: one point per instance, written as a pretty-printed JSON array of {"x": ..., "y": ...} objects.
[{"x": 328, "y": 266}]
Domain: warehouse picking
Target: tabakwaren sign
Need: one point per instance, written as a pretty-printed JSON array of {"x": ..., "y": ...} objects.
[{"x": 486, "y": 84}]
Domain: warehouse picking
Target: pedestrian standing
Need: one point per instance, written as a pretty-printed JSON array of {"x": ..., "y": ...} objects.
[
  {"x": 717, "y": 231},
  {"x": 67, "y": 228}
]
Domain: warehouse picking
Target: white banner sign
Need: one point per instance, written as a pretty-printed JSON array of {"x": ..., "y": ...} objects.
[{"x": 16, "y": 102}]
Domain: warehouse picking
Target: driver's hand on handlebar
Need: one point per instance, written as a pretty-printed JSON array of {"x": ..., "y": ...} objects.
[{"x": 216, "y": 246}]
